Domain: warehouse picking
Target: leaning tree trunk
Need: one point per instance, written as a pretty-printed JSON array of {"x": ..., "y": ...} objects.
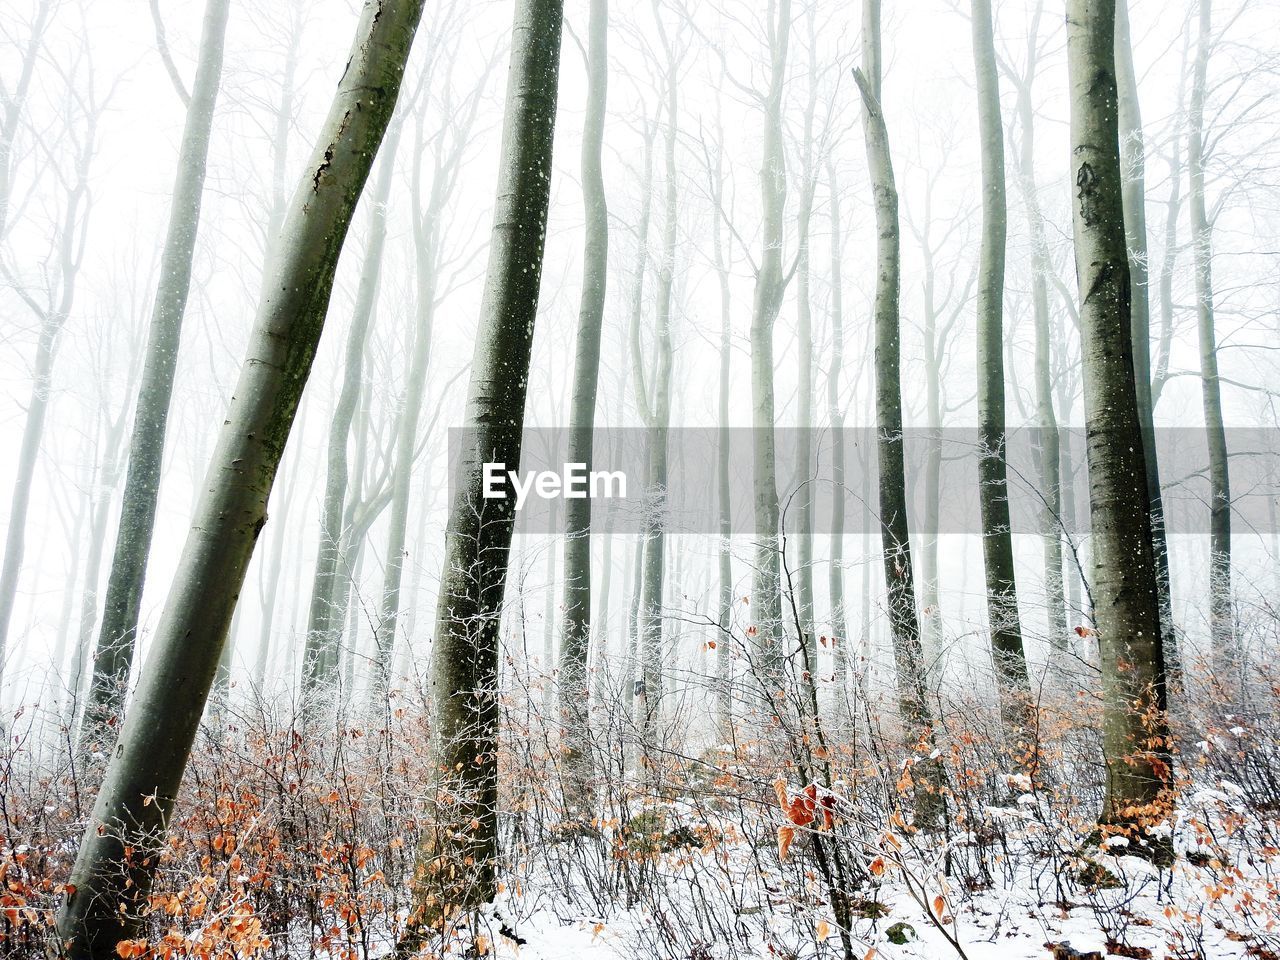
[
  {"x": 324, "y": 620},
  {"x": 904, "y": 625},
  {"x": 107, "y": 895},
  {"x": 1125, "y": 596},
  {"x": 122, "y": 605},
  {"x": 1221, "y": 630},
  {"x": 458, "y": 857},
  {"x": 576, "y": 642},
  {"x": 993, "y": 481},
  {"x": 1133, "y": 171},
  {"x": 766, "y": 589}
]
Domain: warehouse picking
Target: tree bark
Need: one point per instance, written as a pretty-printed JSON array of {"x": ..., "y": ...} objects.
[
  {"x": 110, "y": 882},
  {"x": 1126, "y": 603},
  {"x": 576, "y": 642},
  {"x": 993, "y": 483},
  {"x": 1133, "y": 194},
  {"x": 904, "y": 624},
  {"x": 122, "y": 605},
  {"x": 458, "y": 859}
]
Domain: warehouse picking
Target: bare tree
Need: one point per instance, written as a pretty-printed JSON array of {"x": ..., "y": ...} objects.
[
  {"x": 1126, "y": 604},
  {"x": 459, "y": 854},
  {"x": 122, "y": 604},
  {"x": 993, "y": 481},
  {"x": 904, "y": 622},
  {"x": 575, "y": 647},
  {"x": 107, "y": 895}
]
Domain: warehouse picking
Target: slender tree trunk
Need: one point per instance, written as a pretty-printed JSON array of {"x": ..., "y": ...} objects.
[
  {"x": 1221, "y": 628},
  {"x": 427, "y": 245},
  {"x": 111, "y": 880},
  {"x": 1133, "y": 170},
  {"x": 766, "y": 590},
  {"x": 652, "y": 661},
  {"x": 324, "y": 622},
  {"x": 934, "y": 344},
  {"x": 904, "y": 624},
  {"x": 1047, "y": 442},
  {"x": 458, "y": 859},
  {"x": 575, "y": 645},
  {"x": 113, "y": 658},
  {"x": 835, "y": 415},
  {"x": 1126, "y": 603},
  {"x": 66, "y": 267},
  {"x": 802, "y": 531},
  {"x": 993, "y": 482}
]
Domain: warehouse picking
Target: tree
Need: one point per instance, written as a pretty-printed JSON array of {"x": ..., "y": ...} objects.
[
  {"x": 446, "y": 163},
  {"x": 1221, "y": 629},
  {"x": 1047, "y": 444},
  {"x": 122, "y": 604},
  {"x": 655, "y": 404},
  {"x": 993, "y": 481},
  {"x": 1133, "y": 168},
  {"x": 771, "y": 283},
  {"x": 586, "y": 373},
  {"x": 457, "y": 861},
  {"x": 109, "y": 884},
  {"x": 51, "y": 306},
  {"x": 325, "y": 618},
  {"x": 1126, "y": 604},
  {"x": 904, "y": 624}
]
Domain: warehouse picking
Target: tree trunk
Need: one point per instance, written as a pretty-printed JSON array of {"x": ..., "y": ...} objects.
[
  {"x": 1126, "y": 603},
  {"x": 112, "y": 876},
  {"x": 113, "y": 658},
  {"x": 904, "y": 624},
  {"x": 575, "y": 645},
  {"x": 458, "y": 859},
  {"x": 835, "y": 414},
  {"x": 800, "y": 530},
  {"x": 324, "y": 622},
  {"x": 1133, "y": 194},
  {"x": 53, "y": 317},
  {"x": 652, "y": 661},
  {"x": 1047, "y": 442},
  {"x": 766, "y": 589},
  {"x": 993, "y": 483},
  {"x": 1221, "y": 628}
]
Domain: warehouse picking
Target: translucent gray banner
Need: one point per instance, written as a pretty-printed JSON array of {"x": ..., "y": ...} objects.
[{"x": 625, "y": 496}]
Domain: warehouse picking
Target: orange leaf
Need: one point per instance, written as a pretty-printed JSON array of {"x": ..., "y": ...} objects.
[
  {"x": 939, "y": 905},
  {"x": 482, "y": 944},
  {"x": 824, "y": 930},
  {"x": 1086, "y": 631},
  {"x": 877, "y": 866},
  {"x": 785, "y": 836},
  {"x": 870, "y": 954}
]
